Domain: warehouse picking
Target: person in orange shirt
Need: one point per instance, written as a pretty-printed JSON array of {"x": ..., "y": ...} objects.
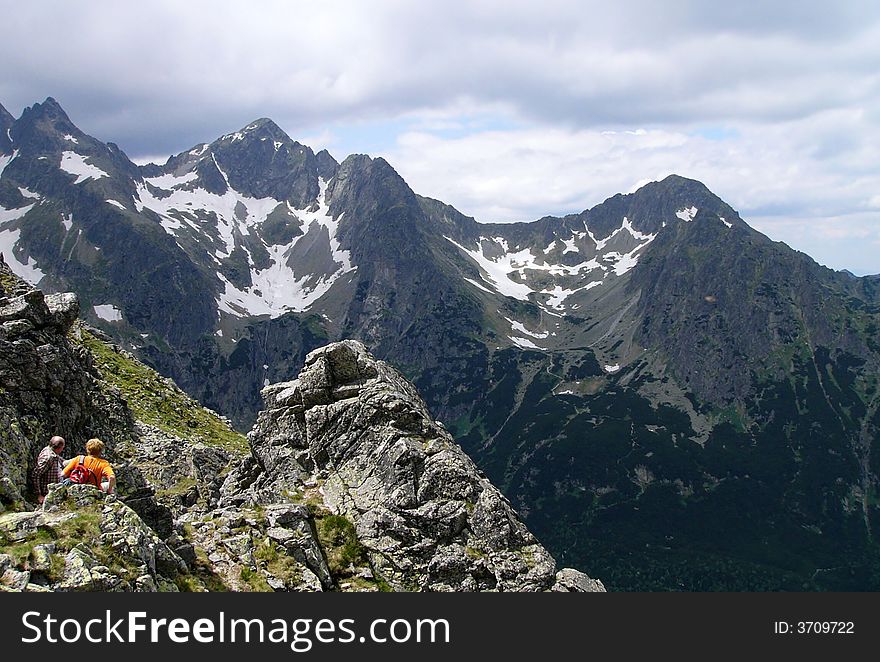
[{"x": 98, "y": 466}]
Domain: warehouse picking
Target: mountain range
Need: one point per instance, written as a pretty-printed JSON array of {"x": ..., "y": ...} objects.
[{"x": 670, "y": 399}]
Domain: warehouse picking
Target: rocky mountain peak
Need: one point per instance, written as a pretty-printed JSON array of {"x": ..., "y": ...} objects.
[
  {"x": 258, "y": 135},
  {"x": 656, "y": 205},
  {"x": 370, "y": 188},
  {"x": 430, "y": 520},
  {"x": 260, "y": 161},
  {"x": 260, "y": 128},
  {"x": 47, "y": 142},
  {"x": 327, "y": 165},
  {"x": 49, "y": 109},
  {"x": 47, "y": 120},
  {"x": 673, "y": 181}
]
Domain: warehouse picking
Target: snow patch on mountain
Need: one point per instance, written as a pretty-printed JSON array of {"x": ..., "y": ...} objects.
[
  {"x": 570, "y": 246},
  {"x": 171, "y": 181},
  {"x": 9, "y": 215},
  {"x": 478, "y": 286},
  {"x": 559, "y": 294},
  {"x": 224, "y": 219},
  {"x": 176, "y": 204},
  {"x": 627, "y": 261},
  {"x": 626, "y": 226},
  {"x": 640, "y": 236},
  {"x": 601, "y": 243},
  {"x": 550, "y": 246},
  {"x": 275, "y": 291},
  {"x": 518, "y": 326},
  {"x": 519, "y": 273},
  {"x": 280, "y": 288},
  {"x": 76, "y": 164},
  {"x": 497, "y": 271},
  {"x": 687, "y": 215},
  {"x": 8, "y": 239},
  {"x": 108, "y": 312},
  {"x": 619, "y": 262},
  {"x": 220, "y": 170},
  {"x": 524, "y": 343}
]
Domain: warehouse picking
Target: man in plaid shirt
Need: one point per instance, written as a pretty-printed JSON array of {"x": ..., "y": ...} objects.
[{"x": 47, "y": 470}]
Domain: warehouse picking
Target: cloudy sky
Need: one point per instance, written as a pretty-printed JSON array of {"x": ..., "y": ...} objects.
[{"x": 508, "y": 110}]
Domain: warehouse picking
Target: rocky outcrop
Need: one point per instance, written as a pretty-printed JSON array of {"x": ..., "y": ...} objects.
[
  {"x": 84, "y": 540},
  {"x": 49, "y": 384},
  {"x": 353, "y": 433}
]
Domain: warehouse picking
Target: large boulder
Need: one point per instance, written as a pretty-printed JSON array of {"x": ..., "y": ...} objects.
[{"x": 428, "y": 518}]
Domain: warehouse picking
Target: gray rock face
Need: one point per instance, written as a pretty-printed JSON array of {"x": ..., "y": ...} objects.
[
  {"x": 93, "y": 532},
  {"x": 64, "y": 308},
  {"x": 6, "y": 122},
  {"x": 427, "y": 517},
  {"x": 48, "y": 385},
  {"x": 188, "y": 473},
  {"x": 572, "y": 581}
]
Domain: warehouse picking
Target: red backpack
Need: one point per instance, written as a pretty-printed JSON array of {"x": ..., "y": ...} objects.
[{"x": 82, "y": 475}]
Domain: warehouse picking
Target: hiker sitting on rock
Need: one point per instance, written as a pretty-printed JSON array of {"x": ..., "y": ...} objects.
[
  {"x": 91, "y": 469},
  {"x": 47, "y": 470}
]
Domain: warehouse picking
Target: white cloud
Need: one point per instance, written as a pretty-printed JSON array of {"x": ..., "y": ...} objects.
[{"x": 152, "y": 66}]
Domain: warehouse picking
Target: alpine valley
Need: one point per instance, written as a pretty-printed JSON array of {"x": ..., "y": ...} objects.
[{"x": 668, "y": 398}]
